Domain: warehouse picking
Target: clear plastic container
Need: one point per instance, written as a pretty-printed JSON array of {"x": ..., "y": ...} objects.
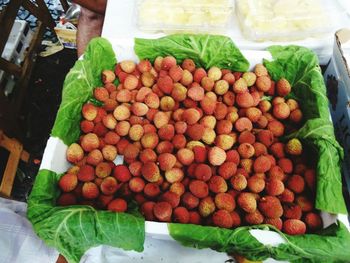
[
  {"x": 286, "y": 20},
  {"x": 174, "y": 16}
]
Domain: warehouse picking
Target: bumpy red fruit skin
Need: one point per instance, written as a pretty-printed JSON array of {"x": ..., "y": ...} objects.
[
  {"x": 263, "y": 83},
  {"x": 136, "y": 184},
  {"x": 217, "y": 184},
  {"x": 266, "y": 137},
  {"x": 199, "y": 188},
  {"x": 181, "y": 215},
  {"x": 238, "y": 182},
  {"x": 171, "y": 197},
  {"x": 177, "y": 188},
  {"x": 236, "y": 219},
  {"x": 291, "y": 211},
  {"x": 294, "y": 227},
  {"x": 313, "y": 221},
  {"x": 246, "y": 150},
  {"x": 305, "y": 203},
  {"x": 286, "y": 165},
  {"x": 179, "y": 141},
  {"x": 195, "y": 131},
  {"x": 163, "y": 211},
  {"x": 283, "y": 87},
  {"x": 90, "y": 142},
  {"x": 89, "y": 111},
  {"x": 74, "y": 153},
  {"x": 277, "y": 149},
  {"x": 150, "y": 172},
  {"x": 196, "y": 93},
  {"x": 109, "y": 185},
  {"x": 260, "y": 149},
  {"x": 203, "y": 172},
  {"x": 256, "y": 184},
  {"x": 66, "y": 199},
  {"x": 287, "y": 196},
  {"x": 90, "y": 190},
  {"x": 151, "y": 190},
  {"x": 227, "y": 170},
  {"x": 243, "y": 124},
  {"x": 199, "y": 74},
  {"x": 121, "y": 173},
  {"x": 276, "y": 127},
  {"x": 166, "y": 161},
  {"x": 262, "y": 164},
  {"x": 244, "y": 100},
  {"x": 147, "y": 155},
  {"x": 86, "y": 173},
  {"x": 233, "y": 156},
  {"x": 276, "y": 222},
  {"x": 164, "y": 147},
  {"x": 310, "y": 178},
  {"x": 189, "y": 200},
  {"x": 281, "y": 111},
  {"x": 185, "y": 156},
  {"x": 117, "y": 205},
  {"x": 247, "y": 202},
  {"x": 255, "y": 218},
  {"x": 86, "y": 127},
  {"x": 206, "y": 206},
  {"x": 225, "y": 201},
  {"x": 147, "y": 210},
  {"x": 246, "y": 137},
  {"x": 68, "y": 182},
  {"x": 165, "y": 84},
  {"x": 216, "y": 156},
  {"x": 222, "y": 218},
  {"x": 144, "y": 66},
  {"x": 195, "y": 218},
  {"x": 270, "y": 207},
  {"x": 131, "y": 151},
  {"x": 294, "y": 147},
  {"x": 168, "y": 62},
  {"x": 200, "y": 154},
  {"x": 274, "y": 187},
  {"x": 296, "y": 183}
]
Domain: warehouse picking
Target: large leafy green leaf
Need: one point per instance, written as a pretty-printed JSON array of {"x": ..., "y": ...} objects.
[
  {"x": 318, "y": 133},
  {"x": 73, "y": 230},
  {"x": 330, "y": 245},
  {"x": 300, "y": 66},
  {"x": 205, "y": 50},
  {"x": 78, "y": 87}
]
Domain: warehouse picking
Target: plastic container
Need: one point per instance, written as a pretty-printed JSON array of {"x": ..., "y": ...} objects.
[
  {"x": 176, "y": 16},
  {"x": 285, "y": 20},
  {"x": 337, "y": 78}
]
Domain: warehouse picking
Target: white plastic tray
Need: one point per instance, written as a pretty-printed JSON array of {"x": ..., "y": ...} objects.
[
  {"x": 55, "y": 152},
  {"x": 120, "y": 23}
]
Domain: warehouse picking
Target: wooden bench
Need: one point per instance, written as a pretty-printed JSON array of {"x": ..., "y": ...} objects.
[{"x": 17, "y": 153}]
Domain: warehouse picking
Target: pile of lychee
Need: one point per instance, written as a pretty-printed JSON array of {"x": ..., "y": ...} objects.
[{"x": 199, "y": 147}]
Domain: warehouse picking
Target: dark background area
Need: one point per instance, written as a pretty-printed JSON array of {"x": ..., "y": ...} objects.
[{"x": 38, "y": 115}]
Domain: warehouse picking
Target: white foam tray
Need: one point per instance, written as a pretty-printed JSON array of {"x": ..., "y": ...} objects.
[
  {"x": 120, "y": 22},
  {"x": 54, "y": 159}
]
